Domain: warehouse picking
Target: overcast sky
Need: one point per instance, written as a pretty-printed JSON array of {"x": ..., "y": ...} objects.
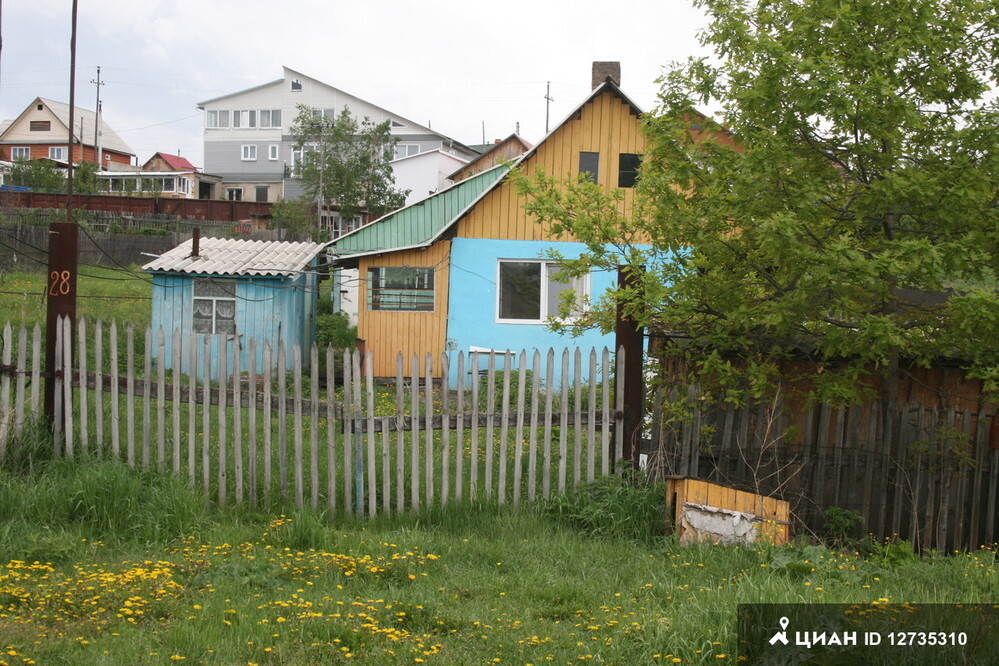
[{"x": 453, "y": 65}]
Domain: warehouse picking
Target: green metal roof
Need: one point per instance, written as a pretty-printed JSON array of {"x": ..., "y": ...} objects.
[{"x": 418, "y": 224}]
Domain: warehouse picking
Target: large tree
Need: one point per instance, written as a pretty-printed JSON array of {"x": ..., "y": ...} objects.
[
  {"x": 345, "y": 162},
  {"x": 843, "y": 211}
]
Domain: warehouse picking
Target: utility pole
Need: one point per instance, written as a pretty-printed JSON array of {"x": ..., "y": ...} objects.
[
  {"x": 97, "y": 119},
  {"x": 548, "y": 101},
  {"x": 63, "y": 243}
]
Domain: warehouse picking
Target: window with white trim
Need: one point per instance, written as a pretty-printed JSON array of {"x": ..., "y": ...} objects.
[
  {"x": 529, "y": 293},
  {"x": 401, "y": 288},
  {"x": 214, "y": 308},
  {"x": 57, "y": 152},
  {"x": 234, "y": 193},
  {"x": 218, "y": 119},
  {"x": 270, "y": 118},
  {"x": 249, "y": 152},
  {"x": 244, "y": 119},
  {"x": 20, "y": 153},
  {"x": 272, "y": 151},
  {"x": 406, "y": 149}
]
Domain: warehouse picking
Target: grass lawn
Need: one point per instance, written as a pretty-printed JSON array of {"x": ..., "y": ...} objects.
[
  {"x": 100, "y": 564},
  {"x": 103, "y": 293}
]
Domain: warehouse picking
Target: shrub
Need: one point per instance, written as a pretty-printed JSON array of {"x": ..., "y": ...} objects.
[{"x": 628, "y": 507}]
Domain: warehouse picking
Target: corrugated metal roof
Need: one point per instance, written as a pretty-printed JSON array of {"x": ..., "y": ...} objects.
[
  {"x": 419, "y": 223},
  {"x": 237, "y": 256}
]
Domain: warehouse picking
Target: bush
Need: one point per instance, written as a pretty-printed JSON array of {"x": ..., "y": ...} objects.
[
  {"x": 628, "y": 507},
  {"x": 334, "y": 330}
]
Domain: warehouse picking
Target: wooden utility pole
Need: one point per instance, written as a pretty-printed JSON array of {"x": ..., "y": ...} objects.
[
  {"x": 62, "y": 250},
  {"x": 630, "y": 336}
]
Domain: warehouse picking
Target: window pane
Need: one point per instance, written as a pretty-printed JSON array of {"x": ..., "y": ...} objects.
[
  {"x": 520, "y": 290},
  {"x": 556, "y": 289},
  {"x": 628, "y": 172},
  {"x": 589, "y": 163}
]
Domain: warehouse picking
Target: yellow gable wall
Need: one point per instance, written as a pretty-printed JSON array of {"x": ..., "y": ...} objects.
[
  {"x": 605, "y": 125},
  {"x": 387, "y": 333}
]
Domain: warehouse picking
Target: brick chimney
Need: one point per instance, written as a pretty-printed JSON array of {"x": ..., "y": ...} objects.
[{"x": 607, "y": 69}]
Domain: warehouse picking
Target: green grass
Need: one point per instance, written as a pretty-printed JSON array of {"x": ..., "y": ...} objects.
[
  {"x": 103, "y": 293},
  {"x": 100, "y": 564}
]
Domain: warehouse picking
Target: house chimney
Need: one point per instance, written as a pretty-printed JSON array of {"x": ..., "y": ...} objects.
[
  {"x": 606, "y": 69},
  {"x": 196, "y": 243}
]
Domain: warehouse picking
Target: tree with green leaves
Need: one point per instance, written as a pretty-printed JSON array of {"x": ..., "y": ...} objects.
[
  {"x": 38, "y": 175},
  {"x": 345, "y": 162},
  {"x": 840, "y": 217}
]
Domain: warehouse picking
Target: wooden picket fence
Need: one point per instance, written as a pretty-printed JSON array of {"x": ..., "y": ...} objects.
[{"x": 294, "y": 431}]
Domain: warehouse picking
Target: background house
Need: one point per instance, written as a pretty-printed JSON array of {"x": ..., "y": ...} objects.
[
  {"x": 435, "y": 278},
  {"x": 162, "y": 175},
  {"x": 218, "y": 288},
  {"x": 42, "y": 131},
  {"x": 248, "y": 136}
]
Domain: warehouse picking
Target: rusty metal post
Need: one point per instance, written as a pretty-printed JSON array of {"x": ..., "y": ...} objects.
[{"x": 629, "y": 335}]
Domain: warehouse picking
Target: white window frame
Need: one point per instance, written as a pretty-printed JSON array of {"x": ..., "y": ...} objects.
[
  {"x": 580, "y": 285},
  {"x": 273, "y": 152},
  {"x": 217, "y": 119},
  {"x": 57, "y": 152},
  {"x": 184, "y": 185},
  {"x": 230, "y": 191},
  {"x": 220, "y": 297},
  {"x": 410, "y": 150},
  {"x": 248, "y": 152},
  {"x": 269, "y": 115},
  {"x": 16, "y": 153},
  {"x": 244, "y": 119}
]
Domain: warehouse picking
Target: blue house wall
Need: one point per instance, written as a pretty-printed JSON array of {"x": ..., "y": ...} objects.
[{"x": 472, "y": 304}]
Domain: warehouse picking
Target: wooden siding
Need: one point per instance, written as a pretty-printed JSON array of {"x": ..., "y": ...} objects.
[
  {"x": 606, "y": 125},
  {"x": 420, "y": 333}
]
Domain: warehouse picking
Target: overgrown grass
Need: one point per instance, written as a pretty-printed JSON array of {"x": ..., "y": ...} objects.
[
  {"x": 103, "y": 293},
  {"x": 101, "y": 564}
]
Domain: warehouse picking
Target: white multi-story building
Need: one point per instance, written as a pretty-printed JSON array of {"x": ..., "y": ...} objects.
[{"x": 248, "y": 140}]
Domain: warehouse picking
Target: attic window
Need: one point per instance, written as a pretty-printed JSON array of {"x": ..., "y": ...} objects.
[
  {"x": 296, "y": 85},
  {"x": 397, "y": 124},
  {"x": 40, "y": 125},
  {"x": 589, "y": 164},
  {"x": 39, "y": 107},
  {"x": 628, "y": 169}
]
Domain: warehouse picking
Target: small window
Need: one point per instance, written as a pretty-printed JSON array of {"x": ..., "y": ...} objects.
[
  {"x": 217, "y": 119},
  {"x": 589, "y": 164},
  {"x": 529, "y": 292},
  {"x": 261, "y": 192},
  {"x": 270, "y": 118},
  {"x": 249, "y": 153},
  {"x": 244, "y": 119},
  {"x": 20, "y": 153},
  {"x": 628, "y": 169},
  {"x": 296, "y": 85},
  {"x": 272, "y": 152},
  {"x": 57, "y": 152},
  {"x": 234, "y": 193},
  {"x": 401, "y": 288},
  {"x": 40, "y": 126},
  {"x": 406, "y": 149},
  {"x": 214, "y": 309}
]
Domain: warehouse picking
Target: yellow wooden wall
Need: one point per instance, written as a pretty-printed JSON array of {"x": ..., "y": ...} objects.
[
  {"x": 605, "y": 125},
  {"x": 775, "y": 514},
  {"x": 387, "y": 333}
]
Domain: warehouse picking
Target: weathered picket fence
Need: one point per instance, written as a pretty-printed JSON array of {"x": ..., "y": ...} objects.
[{"x": 293, "y": 429}]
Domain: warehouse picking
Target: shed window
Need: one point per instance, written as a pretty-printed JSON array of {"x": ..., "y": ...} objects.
[
  {"x": 401, "y": 288},
  {"x": 214, "y": 307}
]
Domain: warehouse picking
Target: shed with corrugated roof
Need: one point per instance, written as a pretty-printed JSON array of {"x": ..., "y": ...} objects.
[{"x": 210, "y": 290}]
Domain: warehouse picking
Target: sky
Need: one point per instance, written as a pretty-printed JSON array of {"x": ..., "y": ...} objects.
[{"x": 467, "y": 68}]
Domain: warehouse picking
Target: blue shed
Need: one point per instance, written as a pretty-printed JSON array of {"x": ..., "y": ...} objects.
[{"x": 237, "y": 290}]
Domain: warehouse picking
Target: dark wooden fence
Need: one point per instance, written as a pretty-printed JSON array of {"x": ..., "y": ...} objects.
[
  {"x": 192, "y": 209},
  {"x": 922, "y": 474}
]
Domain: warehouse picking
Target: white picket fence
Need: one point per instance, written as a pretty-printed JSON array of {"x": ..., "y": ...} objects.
[{"x": 276, "y": 435}]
